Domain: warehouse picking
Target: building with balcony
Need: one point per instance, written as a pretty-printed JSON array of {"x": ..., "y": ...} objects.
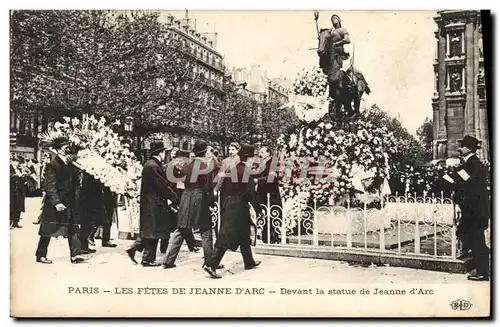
[
  {"x": 208, "y": 68},
  {"x": 459, "y": 101}
]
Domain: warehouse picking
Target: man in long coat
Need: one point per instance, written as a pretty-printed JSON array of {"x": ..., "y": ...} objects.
[
  {"x": 17, "y": 194},
  {"x": 236, "y": 221},
  {"x": 180, "y": 158},
  {"x": 158, "y": 202},
  {"x": 268, "y": 186},
  {"x": 194, "y": 208},
  {"x": 59, "y": 216},
  {"x": 472, "y": 196},
  {"x": 90, "y": 208}
]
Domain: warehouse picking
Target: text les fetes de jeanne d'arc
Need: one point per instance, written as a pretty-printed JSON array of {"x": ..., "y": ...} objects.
[{"x": 246, "y": 291}]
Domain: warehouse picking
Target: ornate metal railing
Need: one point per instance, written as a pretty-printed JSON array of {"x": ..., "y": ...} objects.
[{"x": 402, "y": 225}]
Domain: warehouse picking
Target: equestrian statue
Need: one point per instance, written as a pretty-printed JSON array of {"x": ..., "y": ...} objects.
[{"x": 346, "y": 87}]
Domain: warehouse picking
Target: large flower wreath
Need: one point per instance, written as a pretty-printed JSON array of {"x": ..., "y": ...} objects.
[{"x": 101, "y": 154}]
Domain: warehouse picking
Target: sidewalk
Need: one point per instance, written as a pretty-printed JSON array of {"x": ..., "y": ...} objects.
[
  {"x": 273, "y": 268},
  {"x": 109, "y": 284}
]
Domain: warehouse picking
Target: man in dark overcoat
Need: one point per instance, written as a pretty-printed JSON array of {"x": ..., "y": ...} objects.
[
  {"x": 59, "y": 216},
  {"x": 236, "y": 223},
  {"x": 268, "y": 186},
  {"x": 194, "y": 208},
  {"x": 157, "y": 205},
  {"x": 110, "y": 205},
  {"x": 180, "y": 158},
  {"x": 90, "y": 208},
  {"x": 472, "y": 196}
]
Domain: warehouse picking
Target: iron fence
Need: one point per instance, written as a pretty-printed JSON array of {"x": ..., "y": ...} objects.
[{"x": 409, "y": 224}]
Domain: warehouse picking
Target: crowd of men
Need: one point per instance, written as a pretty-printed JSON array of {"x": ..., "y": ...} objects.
[
  {"x": 75, "y": 204},
  {"x": 178, "y": 192}
]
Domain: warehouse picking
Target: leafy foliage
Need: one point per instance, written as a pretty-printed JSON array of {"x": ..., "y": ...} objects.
[
  {"x": 425, "y": 137},
  {"x": 113, "y": 65}
]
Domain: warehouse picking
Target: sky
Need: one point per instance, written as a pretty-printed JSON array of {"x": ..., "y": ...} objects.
[{"x": 394, "y": 50}]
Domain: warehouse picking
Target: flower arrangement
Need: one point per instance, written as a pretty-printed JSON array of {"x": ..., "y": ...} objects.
[
  {"x": 102, "y": 154},
  {"x": 359, "y": 160},
  {"x": 313, "y": 83},
  {"x": 310, "y": 99}
]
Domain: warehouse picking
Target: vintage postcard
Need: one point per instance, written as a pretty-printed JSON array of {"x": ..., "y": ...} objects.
[{"x": 311, "y": 163}]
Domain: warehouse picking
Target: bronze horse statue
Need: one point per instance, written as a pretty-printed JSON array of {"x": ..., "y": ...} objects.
[{"x": 345, "y": 87}]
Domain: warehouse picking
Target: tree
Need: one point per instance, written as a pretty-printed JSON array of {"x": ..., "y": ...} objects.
[
  {"x": 425, "y": 137},
  {"x": 72, "y": 62},
  {"x": 235, "y": 118}
]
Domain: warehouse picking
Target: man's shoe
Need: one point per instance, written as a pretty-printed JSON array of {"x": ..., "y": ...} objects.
[
  {"x": 220, "y": 266},
  {"x": 150, "y": 264},
  {"x": 79, "y": 258},
  {"x": 17, "y": 226},
  {"x": 255, "y": 264},
  {"x": 43, "y": 260},
  {"x": 168, "y": 266},
  {"x": 89, "y": 251},
  {"x": 36, "y": 223},
  {"x": 478, "y": 278},
  {"x": 194, "y": 250},
  {"x": 131, "y": 255},
  {"x": 109, "y": 245},
  {"x": 212, "y": 272}
]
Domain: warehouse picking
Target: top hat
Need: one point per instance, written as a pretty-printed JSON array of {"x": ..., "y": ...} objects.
[
  {"x": 470, "y": 142},
  {"x": 156, "y": 147},
  {"x": 199, "y": 146},
  {"x": 59, "y": 142},
  {"x": 247, "y": 150}
]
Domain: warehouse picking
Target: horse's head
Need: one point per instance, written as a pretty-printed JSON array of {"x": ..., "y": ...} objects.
[{"x": 323, "y": 38}]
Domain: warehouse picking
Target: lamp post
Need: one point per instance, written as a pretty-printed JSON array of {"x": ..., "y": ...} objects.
[
  {"x": 129, "y": 124},
  {"x": 128, "y": 127}
]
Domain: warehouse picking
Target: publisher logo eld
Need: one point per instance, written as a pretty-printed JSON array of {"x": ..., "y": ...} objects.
[{"x": 462, "y": 305}]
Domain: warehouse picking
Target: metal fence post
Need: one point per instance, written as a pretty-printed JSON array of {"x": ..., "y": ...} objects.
[
  {"x": 218, "y": 212},
  {"x": 382, "y": 224},
  {"x": 349, "y": 223},
  {"x": 365, "y": 224},
  {"x": 315, "y": 225},
  {"x": 453, "y": 230},
  {"x": 417, "y": 226},
  {"x": 268, "y": 219}
]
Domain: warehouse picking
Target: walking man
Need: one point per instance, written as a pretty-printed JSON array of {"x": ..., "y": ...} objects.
[
  {"x": 158, "y": 202},
  {"x": 194, "y": 209},
  {"x": 59, "y": 216}
]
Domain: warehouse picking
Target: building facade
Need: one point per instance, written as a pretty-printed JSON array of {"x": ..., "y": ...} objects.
[
  {"x": 459, "y": 101},
  {"x": 209, "y": 68}
]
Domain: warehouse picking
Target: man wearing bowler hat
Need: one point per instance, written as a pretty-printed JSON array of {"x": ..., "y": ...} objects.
[
  {"x": 59, "y": 217},
  {"x": 471, "y": 194},
  {"x": 158, "y": 204},
  {"x": 194, "y": 208}
]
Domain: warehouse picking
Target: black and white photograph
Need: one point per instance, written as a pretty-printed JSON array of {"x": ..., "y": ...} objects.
[{"x": 250, "y": 163}]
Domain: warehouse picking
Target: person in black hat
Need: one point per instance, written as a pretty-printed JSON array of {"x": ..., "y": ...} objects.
[
  {"x": 59, "y": 216},
  {"x": 236, "y": 221},
  {"x": 471, "y": 194},
  {"x": 194, "y": 208},
  {"x": 158, "y": 203},
  {"x": 180, "y": 158}
]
